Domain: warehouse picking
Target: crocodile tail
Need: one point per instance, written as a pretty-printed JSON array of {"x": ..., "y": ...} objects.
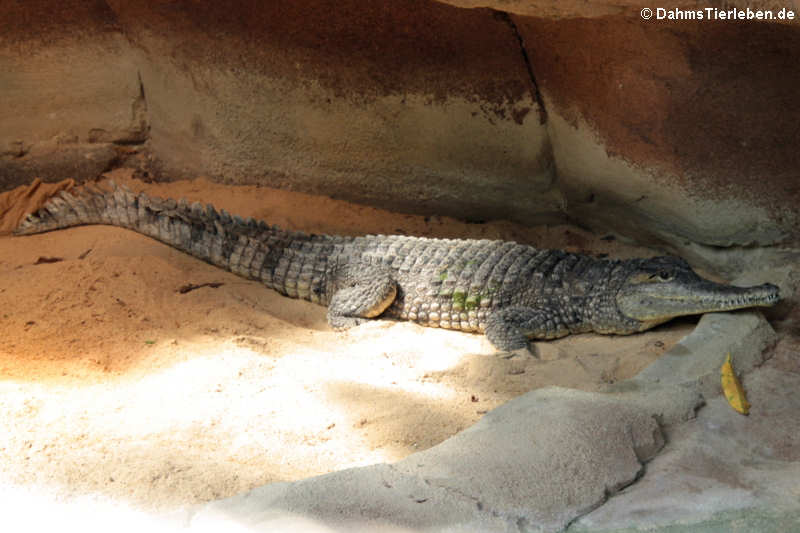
[{"x": 290, "y": 262}]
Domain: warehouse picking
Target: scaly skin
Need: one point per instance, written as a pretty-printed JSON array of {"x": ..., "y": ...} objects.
[{"x": 512, "y": 292}]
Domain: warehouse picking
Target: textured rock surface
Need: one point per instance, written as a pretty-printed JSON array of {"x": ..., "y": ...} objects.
[
  {"x": 422, "y": 107},
  {"x": 395, "y": 106},
  {"x": 657, "y": 128},
  {"x": 680, "y": 381},
  {"x": 698, "y": 356},
  {"x": 720, "y": 472},
  {"x": 69, "y": 90},
  {"x": 666, "y": 131},
  {"x": 50, "y": 162},
  {"x": 533, "y": 464}
]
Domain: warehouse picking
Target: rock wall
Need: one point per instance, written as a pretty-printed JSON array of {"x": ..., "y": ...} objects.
[
  {"x": 688, "y": 129},
  {"x": 673, "y": 131},
  {"x": 70, "y": 98}
]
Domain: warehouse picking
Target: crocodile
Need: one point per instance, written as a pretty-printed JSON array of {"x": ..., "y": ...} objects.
[{"x": 514, "y": 293}]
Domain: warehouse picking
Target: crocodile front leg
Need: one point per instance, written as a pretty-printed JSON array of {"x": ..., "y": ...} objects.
[
  {"x": 359, "y": 292},
  {"x": 511, "y": 329}
]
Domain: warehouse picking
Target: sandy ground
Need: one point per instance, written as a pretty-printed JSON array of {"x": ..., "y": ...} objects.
[{"x": 114, "y": 382}]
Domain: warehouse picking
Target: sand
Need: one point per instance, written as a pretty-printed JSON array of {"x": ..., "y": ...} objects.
[{"x": 115, "y": 382}]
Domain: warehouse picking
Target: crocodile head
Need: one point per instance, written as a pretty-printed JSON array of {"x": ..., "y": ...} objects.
[{"x": 663, "y": 288}]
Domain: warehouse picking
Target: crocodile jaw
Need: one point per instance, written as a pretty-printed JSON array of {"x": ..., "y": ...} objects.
[{"x": 654, "y": 303}]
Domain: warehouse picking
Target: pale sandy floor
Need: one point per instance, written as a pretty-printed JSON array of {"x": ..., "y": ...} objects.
[{"x": 113, "y": 382}]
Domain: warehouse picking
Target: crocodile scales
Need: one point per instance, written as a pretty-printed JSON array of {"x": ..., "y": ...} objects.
[{"x": 511, "y": 292}]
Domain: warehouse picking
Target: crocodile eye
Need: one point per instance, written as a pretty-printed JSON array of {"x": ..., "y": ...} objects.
[{"x": 662, "y": 275}]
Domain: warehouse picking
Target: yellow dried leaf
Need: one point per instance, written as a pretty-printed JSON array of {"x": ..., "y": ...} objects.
[{"x": 732, "y": 388}]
